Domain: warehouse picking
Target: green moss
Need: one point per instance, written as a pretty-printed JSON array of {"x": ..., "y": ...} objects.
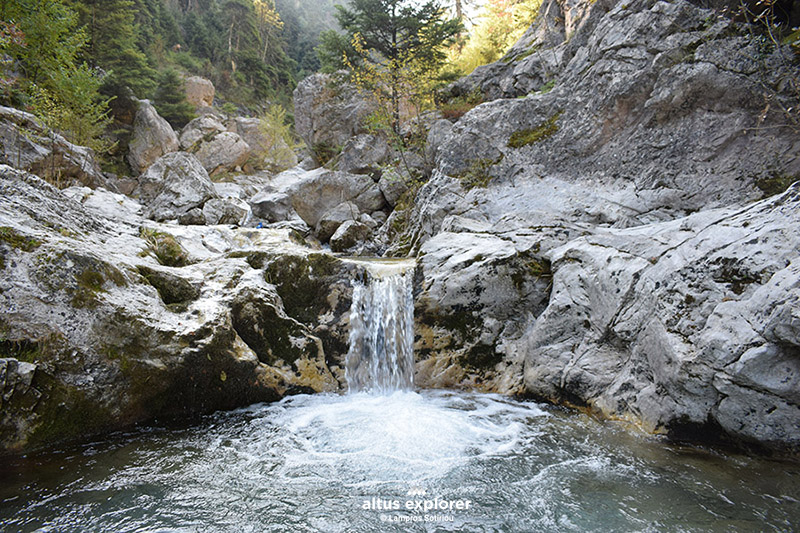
[
  {"x": 775, "y": 184},
  {"x": 21, "y": 350},
  {"x": 271, "y": 336},
  {"x": 547, "y": 87},
  {"x": 300, "y": 286},
  {"x": 10, "y": 237},
  {"x": 477, "y": 172},
  {"x": 65, "y": 413},
  {"x": 543, "y": 131},
  {"x": 165, "y": 248}
]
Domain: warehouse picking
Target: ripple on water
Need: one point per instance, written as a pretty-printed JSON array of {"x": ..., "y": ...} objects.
[{"x": 309, "y": 463}]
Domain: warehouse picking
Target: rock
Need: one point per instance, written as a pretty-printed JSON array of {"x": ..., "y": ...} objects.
[
  {"x": 672, "y": 325},
  {"x": 200, "y": 129},
  {"x": 28, "y": 145},
  {"x": 364, "y": 154},
  {"x": 226, "y": 211},
  {"x": 271, "y": 205},
  {"x": 199, "y": 91},
  {"x": 105, "y": 338},
  {"x": 193, "y": 217},
  {"x": 271, "y": 153},
  {"x": 319, "y": 192},
  {"x": 20, "y": 399},
  {"x": 436, "y": 137},
  {"x": 478, "y": 294},
  {"x": 393, "y": 184},
  {"x": 328, "y": 112},
  {"x": 223, "y": 153},
  {"x": 368, "y": 221},
  {"x": 117, "y": 207},
  {"x": 379, "y": 217},
  {"x": 335, "y": 217},
  {"x": 152, "y": 138},
  {"x": 349, "y": 235},
  {"x": 226, "y": 189},
  {"x": 173, "y": 185}
]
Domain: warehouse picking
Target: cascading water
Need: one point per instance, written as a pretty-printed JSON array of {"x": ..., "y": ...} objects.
[{"x": 381, "y": 354}]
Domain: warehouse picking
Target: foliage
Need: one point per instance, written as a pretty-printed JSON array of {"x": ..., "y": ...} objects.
[
  {"x": 279, "y": 141},
  {"x": 332, "y": 49},
  {"x": 170, "y": 99},
  {"x": 44, "y": 43},
  {"x": 397, "y": 47},
  {"x": 501, "y": 24},
  {"x": 455, "y": 108},
  {"x": 304, "y": 22},
  {"x": 112, "y": 34}
]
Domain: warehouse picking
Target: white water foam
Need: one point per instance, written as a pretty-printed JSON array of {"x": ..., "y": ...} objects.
[{"x": 380, "y": 358}]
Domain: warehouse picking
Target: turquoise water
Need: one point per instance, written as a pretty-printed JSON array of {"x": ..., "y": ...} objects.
[{"x": 336, "y": 463}]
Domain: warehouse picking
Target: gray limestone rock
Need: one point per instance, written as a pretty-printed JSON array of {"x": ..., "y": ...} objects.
[
  {"x": 173, "y": 185},
  {"x": 152, "y": 137}
]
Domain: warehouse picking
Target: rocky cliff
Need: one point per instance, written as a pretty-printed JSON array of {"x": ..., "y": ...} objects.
[{"x": 589, "y": 234}]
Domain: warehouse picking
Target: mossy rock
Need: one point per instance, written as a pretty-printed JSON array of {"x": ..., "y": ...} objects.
[
  {"x": 527, "y": 137},
  {"x": 480, "y": 357},
  {"x": 303, "y": 283},
  {"x": 775, "y": 184},
  {"x": 166, "y": 249},
  {"x": 271, "y": 336},
  {"x": 477, "y": 173},
  {"x": 171, "y": 289},
  {"x": 13, "y": 239}
]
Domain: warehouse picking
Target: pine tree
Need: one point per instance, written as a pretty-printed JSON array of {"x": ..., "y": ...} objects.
[
  {"x": 397, "y": 36},
  {"x": 112, "y": 31},
  {"x": 170, "y": 99}
]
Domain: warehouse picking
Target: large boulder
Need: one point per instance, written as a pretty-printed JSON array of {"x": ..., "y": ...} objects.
[
  {"x": 28, "y": 145},
  {"x": 152, "y": 137},
  {"x": 224, "y": 152},
  {"x": 173, "y": 185},
  {"x": 200, "y": 129},
  {"x": 330, "y": 221},
  {"x": 364, "y": 154},
  {"x": 478, "y": 294},
  {"x": 271, "y": 205},
  {"x": 199, "y": 91},
  {"x": 226, "y": 211},
  {"x": 349, "y": 235},
  {"x": 319, "y": 192},
  {"x": 328, "y": 112}
]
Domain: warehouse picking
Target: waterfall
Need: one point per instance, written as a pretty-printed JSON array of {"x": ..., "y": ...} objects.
[{"x": 381, "y": 354}]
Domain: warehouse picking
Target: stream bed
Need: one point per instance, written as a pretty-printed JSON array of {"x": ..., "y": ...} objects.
[{"x": 407, "y": 461}]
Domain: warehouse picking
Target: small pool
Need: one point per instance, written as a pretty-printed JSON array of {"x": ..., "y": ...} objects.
[{"x": 409, "y": 461}]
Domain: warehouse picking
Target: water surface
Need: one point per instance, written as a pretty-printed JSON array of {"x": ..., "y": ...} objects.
[{"x": 323, "y": 462}]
